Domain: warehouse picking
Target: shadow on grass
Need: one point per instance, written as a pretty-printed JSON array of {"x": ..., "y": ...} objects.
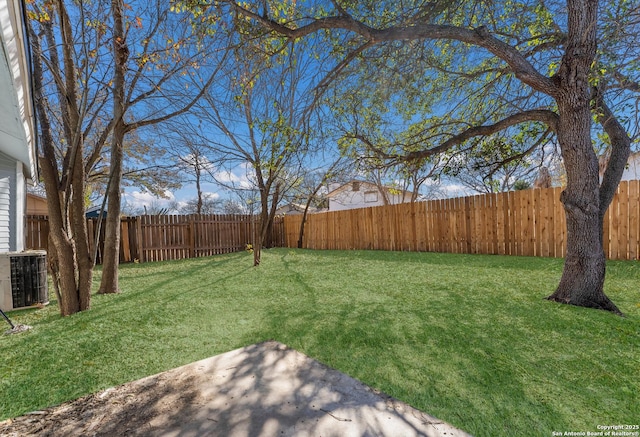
[
  {"x": 470, "y": 346},
  {"x": 437, "y": 258},
  {"x": 162, "y": 275},
  {"x": 435, "y": 371},
  {"x": 263, "y": 389},
  {"x": 158, "y": 285},
  {"x": 486, "y": 366}
]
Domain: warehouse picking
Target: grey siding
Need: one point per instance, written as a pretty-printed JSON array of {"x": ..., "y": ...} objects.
[{"x": 7, "y": 203}]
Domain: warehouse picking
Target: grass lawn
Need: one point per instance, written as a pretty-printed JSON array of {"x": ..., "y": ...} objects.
[{"x": 466, "y": 338}]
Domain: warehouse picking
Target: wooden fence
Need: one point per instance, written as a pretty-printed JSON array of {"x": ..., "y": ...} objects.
[
  {"x": 166, "y": 237},
  {"x": 529, "y": 222}
]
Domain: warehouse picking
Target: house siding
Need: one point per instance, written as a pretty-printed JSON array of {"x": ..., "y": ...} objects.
[
  {"x": 361, "y": 194},
  {"x": 632, "y": 170},
  {"x": 17, "y": 126},
  {"x": 7, "y": 206}
]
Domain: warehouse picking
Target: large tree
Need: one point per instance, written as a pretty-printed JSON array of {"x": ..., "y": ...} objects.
[
  {"x": 257, "y": 118},
  {"x": 69, "y": 74},
  {"x": 82, "y": 101},
  {"x": 506, "y": 65},
  {"x": 187, "y": 153},
  {"x": 157, "y": 63}
]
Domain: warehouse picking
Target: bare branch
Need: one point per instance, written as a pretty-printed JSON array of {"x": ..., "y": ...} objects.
[
  {"x": 480, "y": 37},
  {"x": 625, "y": 83},
  {"x": 132, "y": 126},
  {"x": 542, "y": 115}
]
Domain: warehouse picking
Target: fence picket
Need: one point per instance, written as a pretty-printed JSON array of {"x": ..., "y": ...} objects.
[
  {"x": 634, "y": 222},
  {"x": 155, "y": 238},
  {"x": 530, "y": 222}
]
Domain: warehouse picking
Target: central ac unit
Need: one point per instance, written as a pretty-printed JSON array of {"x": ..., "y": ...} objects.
[{"x": 23, "y": 279}]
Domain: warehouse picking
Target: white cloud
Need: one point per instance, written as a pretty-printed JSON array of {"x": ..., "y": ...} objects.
[
  {"x": 203, "y": 162},
  {"x": 210, "y": 196},
  {"x": 455, "y": 190},
  {"x": 138, "y": 200},
  {"x": 226, "y": 176},
  {"x": 235, "y": 180},
  {"x": 181, "y": 204}
]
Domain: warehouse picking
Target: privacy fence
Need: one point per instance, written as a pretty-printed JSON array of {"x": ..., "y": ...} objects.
[
  {"x": 167, "y": 237},
  {"x": 529, "y": 222}
]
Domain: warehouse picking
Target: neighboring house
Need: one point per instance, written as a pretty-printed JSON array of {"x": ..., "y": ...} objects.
[
  {"x": 94, "y": 212},
  {"x": 17, "y": 126},
  {"x": 36, "y": 205},
  {"x": 296, "y": 208},
  {"x": 362, "y": 194},
  {"x": 632, "y": 171}
]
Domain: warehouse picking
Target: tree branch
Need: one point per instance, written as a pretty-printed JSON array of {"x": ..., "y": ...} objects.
[
  {"x": 480, "y": 37},
  {"x": 133, "y": 126},
  {"x": 620, "y": 150},
  {"x": 625, "y": 83},
  {"x": 542, "y": 115}
]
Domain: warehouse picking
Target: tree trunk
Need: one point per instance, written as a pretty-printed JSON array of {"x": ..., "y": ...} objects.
[
  {"x": 73, "y": 279},
  {"x": 582, "y": 281},
  {"x": 78, "y": 220},
  {"x": 261, "y": 232},
  {"x": 111, "y": 257},
  {"x": 267, "y": 238},
  {"x": 68, "y": 239},
  {"x": 304, "y": 219},
  {"x": 198, "y": 190},
  {"x": 111, "y": 254}
]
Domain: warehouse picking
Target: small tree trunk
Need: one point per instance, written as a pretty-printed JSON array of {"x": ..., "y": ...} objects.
[
  {"x": 111, "y": 252},
  {"x": 199, "y": 191},
  {"x": 111, "y": 257},
  {"x": 52, "y": 266},
  {"x": 78, "y": 223},
  {"x": 304, "y": 219}
]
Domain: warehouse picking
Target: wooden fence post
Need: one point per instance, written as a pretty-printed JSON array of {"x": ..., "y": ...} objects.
[
  {"x": 139, "y": 239},
  {"x": 191, "y": 230},
  {"x": 513, "y": 223},
  {"x": 467, "y": 224}
]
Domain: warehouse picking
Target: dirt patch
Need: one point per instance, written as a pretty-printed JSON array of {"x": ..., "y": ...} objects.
[
  {"x": 129, "y": 409},
  {"x": 261, "y": 390}
]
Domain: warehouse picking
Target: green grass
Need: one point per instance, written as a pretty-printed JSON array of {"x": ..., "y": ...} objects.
[{"x": 466, "y": 338}]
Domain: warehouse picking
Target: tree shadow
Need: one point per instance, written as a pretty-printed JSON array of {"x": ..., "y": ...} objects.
[{"x": 266, "y": 389}]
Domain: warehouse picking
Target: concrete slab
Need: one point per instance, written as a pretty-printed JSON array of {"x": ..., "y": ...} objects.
[{"x": 265, "y": 389}]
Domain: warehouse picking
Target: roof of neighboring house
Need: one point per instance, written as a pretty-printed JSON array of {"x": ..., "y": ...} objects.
[
  {"x": 94, "y": 212},
  {"x": 369, "y": 186},
  {"x": 296, "y": 208},
  {"x": 17, "y": 122}
]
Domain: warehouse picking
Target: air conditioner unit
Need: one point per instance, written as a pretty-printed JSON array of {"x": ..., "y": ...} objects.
[{"x": 23, "y": 279}]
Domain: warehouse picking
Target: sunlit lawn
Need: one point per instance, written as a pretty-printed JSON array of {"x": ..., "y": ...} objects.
[{"x": 468, "y": 339}]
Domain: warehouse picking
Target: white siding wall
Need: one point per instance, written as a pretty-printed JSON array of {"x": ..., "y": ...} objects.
[
  {"x": 632, "y": 171},
  {"x": 366, "y": 195},
  {"x": 20, "y": 201},
  {"x": 7, "y": 204}
]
